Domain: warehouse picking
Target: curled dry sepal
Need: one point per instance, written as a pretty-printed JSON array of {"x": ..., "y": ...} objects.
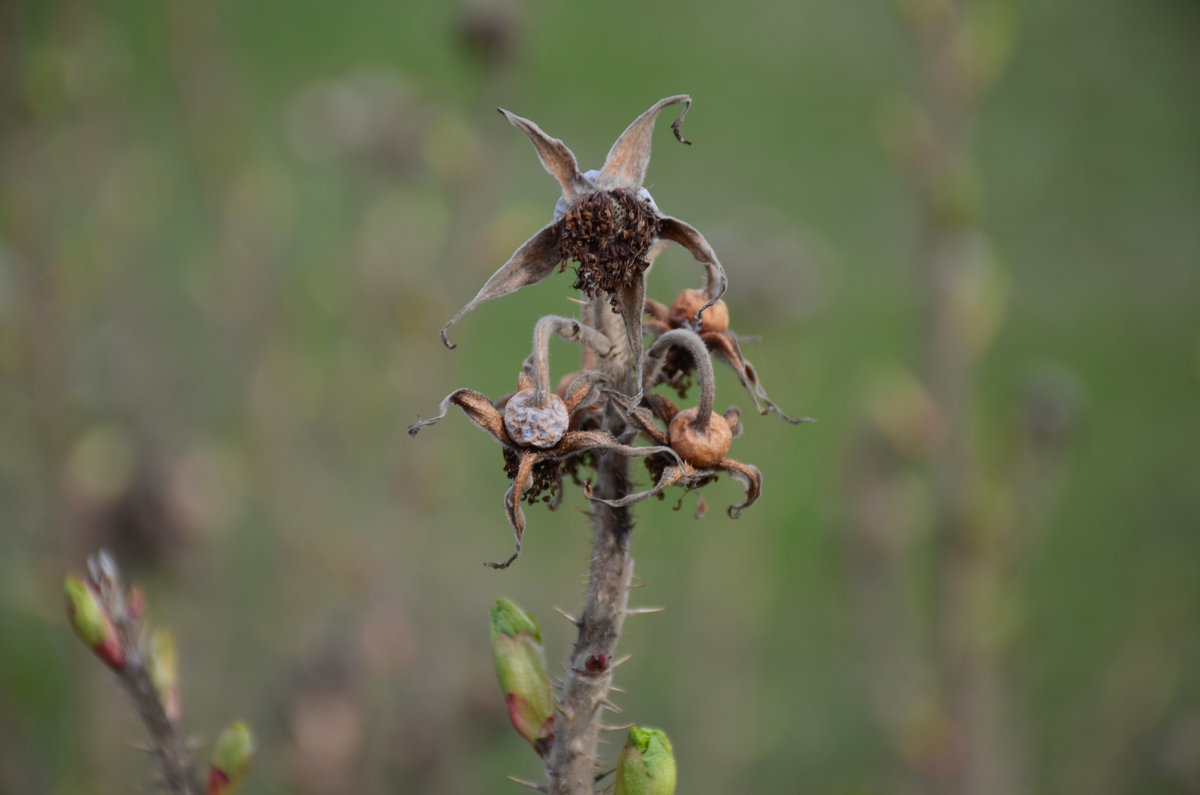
[
  {"x": 607, "y": 223},
  {"x": 109, "y": 619}
]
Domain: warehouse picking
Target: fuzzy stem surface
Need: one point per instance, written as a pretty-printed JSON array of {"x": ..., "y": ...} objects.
[{"x": 572, "y": 766}]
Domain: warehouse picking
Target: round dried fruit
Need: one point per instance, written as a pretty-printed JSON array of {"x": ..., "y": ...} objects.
[
  {"x": 700, "y": 447},
  {"x": 531, "y": 425},
  {"x": 682, "y": 313}
]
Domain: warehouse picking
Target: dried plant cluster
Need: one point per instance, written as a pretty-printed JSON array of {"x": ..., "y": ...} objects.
[
  {"x": 593, "y": 421},
  {"x": 610, "y": 228}
]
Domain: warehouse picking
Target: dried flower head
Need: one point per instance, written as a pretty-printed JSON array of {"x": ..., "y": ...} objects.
[
  {"x": 607, "y": 222},
  {"x": 536, "y": 431},
  {"x": 699, "y": 437}
]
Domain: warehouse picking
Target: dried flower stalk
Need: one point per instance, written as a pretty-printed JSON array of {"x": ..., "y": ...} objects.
[{"x": 607, "y": 223}]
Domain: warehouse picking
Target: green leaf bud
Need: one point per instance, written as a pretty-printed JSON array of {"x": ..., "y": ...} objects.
[
  {"x": 92, "y": 624},
  {"x": 646, "y": 765},
  {"x": 521, "y": 671}
]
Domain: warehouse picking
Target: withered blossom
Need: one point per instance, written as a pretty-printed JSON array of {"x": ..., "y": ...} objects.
[
  {"x": 606, "y": 222},
  {"x": 534, "y": 423},
  {"x": 713, "y": 328},
  {"x": 698, "y": 438}
]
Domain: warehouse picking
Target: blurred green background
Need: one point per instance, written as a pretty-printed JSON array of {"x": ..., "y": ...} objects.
[{"x": 229, "y": 233}]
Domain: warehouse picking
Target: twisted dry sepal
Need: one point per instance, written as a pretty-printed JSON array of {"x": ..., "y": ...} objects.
[
  {"x": 230, "y": 760},
  {"x": 646, "y": 765},
  {"x": 521, "y": 670},
  {"x": 92, "y": 623}
]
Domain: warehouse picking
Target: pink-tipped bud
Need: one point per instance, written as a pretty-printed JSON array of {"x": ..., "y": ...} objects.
[
  {"x": 521, "y": 670},
  {"x": 230, "y": 760},
  {"x": 92, "y": 624},
  {"x": 164, "y": 673},
  {"x": 646, "y": 765}
]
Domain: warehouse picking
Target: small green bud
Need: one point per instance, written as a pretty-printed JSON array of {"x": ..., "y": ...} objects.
[
  {"x": 646, "y": 765},
  {"x": 521, "y": 671},
  {"x": 230, "y": 759},
  {"x": 92, "y": 624},
  {"x": 164, "y": 672}
]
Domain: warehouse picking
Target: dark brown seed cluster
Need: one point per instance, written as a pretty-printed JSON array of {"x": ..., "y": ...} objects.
[
  {"x": 609, "y": 233},
  {"x": 545, "y": 484},
  {"x": 678, "y": 371}
]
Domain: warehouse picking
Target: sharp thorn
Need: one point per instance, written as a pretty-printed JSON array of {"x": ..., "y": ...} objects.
[
  {"x": 604, "y": 727},
  {"x": 611, "y": 707},
  {"x": 573, "y": 619},
  {"x": 615, "y": 663},
  {"x": 616, "y": 689},
  {"x": 643, "y": 611},
  {"x": 528, "y": 784}
]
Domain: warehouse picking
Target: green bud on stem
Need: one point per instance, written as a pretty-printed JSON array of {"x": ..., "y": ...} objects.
[
  {"x": 230, "y": 760},
  {"x": 521, "y": 671},
  {"x": 646, "y": 765},
  {"x": 92, "y": 624}
]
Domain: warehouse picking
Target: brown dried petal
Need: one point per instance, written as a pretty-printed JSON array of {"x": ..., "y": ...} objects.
[
  {"x": 556, "y": 158},
  {"x": 531, "y": 263},
  {"x": 627, "y": 161}
]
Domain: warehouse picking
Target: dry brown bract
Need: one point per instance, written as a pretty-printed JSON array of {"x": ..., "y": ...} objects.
[{"x": 607, "y": 222}]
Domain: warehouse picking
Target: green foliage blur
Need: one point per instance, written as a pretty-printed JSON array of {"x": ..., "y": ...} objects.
[{"x": 230, "y": 232}]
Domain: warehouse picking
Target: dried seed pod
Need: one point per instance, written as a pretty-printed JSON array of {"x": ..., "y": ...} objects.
[
  {"x": 703, "y": 445},
  {"x": 682, "y": 313},
  {"x": 533, "y": 425}
]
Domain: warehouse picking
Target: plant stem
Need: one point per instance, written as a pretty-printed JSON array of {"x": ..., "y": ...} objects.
[
  {"x": 572, "y": 765},
  {"x": 169, "y": 749}
]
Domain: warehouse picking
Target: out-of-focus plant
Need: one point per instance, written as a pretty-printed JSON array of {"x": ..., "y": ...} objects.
[
  {"x": 109, "y": 619},
  {"x": 587, "y": 428},
  {"x": 945, "y": 700}
]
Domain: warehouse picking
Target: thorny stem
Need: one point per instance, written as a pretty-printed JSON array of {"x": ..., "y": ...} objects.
[
  {"x": 691, "y": 342},
  {"x": 174, "y": 762},
  {"x": 571, "y": 768}
]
